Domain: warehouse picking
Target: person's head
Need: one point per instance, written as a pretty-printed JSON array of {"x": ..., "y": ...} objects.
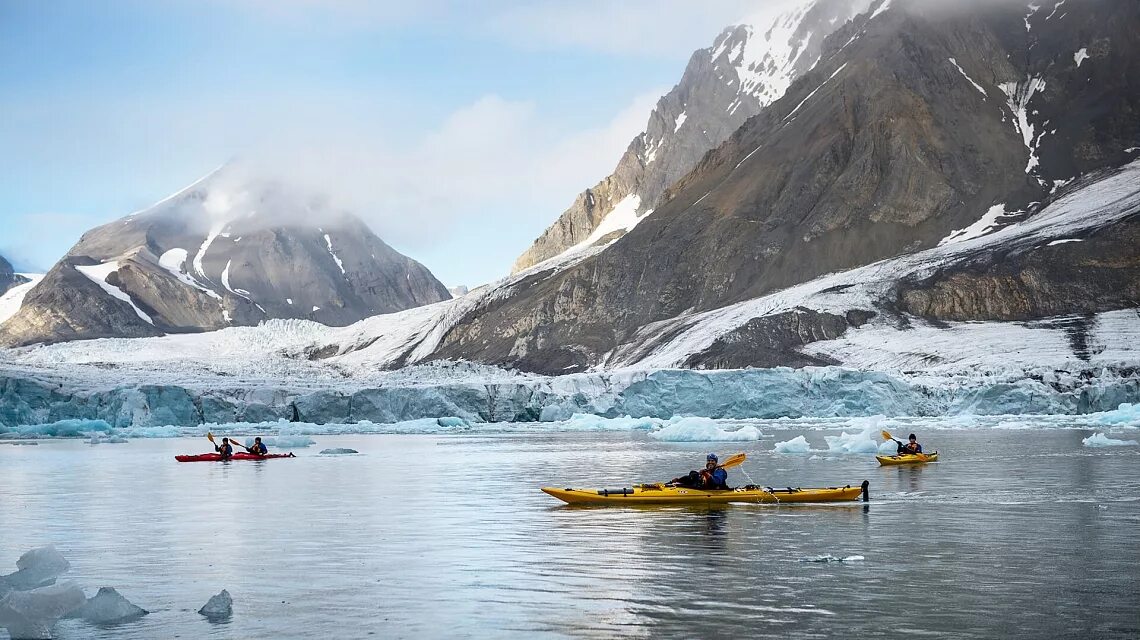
[
  {"x": 710, "y": 461},
  {"x": 257, "y": 440},
  {"x": 912, "y": 438},
  {"x": 225, "y": 440}
]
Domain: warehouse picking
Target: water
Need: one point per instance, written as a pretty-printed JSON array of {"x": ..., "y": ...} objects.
[{"x": 448, "y": 536}]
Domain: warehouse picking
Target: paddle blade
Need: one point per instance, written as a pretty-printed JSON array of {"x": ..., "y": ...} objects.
[
  {"x": 887, "y": 435},
  {"x": 210, "y": 436},
  {"x": 733, "y": 461}
]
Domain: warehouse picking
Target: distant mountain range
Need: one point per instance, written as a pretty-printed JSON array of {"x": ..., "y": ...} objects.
[{"x": 230, "y": 250}]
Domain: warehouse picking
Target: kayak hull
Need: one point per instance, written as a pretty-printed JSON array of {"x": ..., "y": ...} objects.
[
  {"x": 660, "y": 494},
  {"x": 217, "y": 457},
  {"x": 918, "y": 458}
]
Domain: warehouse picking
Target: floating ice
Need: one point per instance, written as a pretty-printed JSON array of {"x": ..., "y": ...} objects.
[
  {"x": 1127, "y": 415},
  {"x": 96, "y": 439},
  {"x": 590, "y": 422},
  {"x": 831, "y": 558},
  {"x": 451, "y": 421},
  {"x": 1101, "y": 440},
  {"x": 338, "y": 451},
  {"x": 31, "y": 614},
  {"x": 108, "y": 607},
  {"x": 37, "y": 568},
  {"x": 862, "y": 442},
  {"x": 218, "y": 606},
  {"x": 284, "y": 442},
  {"x": 702, "y": 430},
  {"x": 61, "y": 429},
  {"x": 798, "y": 444}
]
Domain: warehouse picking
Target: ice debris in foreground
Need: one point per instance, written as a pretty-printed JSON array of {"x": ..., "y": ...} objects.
[
  {"x": 36, "y": 568},
  {"x": 108, "y": 607},
  {"x": 1101, "y": 440},
  {"x": 831, "y": 558},
  {"x": 702, "y": 430},
  {"x": 31, "y": 614},
  {"x": 218, "y": 606}
]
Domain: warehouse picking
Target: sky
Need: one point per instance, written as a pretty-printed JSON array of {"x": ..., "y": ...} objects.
[{"x": 457, "y": 130}]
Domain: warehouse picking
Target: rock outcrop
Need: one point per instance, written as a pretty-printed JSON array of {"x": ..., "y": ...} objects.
[
  {"x": 747, "y": 68},
  {"x": 8, "y": 277}
]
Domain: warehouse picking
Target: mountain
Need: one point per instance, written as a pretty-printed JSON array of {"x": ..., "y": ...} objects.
[
  {"x": 8, "y": 277},
  {"x": 899, "y": 185},
  {"x": 232, "y": 249},
  {"x": 747, "y": 68}
]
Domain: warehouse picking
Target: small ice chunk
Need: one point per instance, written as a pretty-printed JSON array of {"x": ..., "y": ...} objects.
[
  {"x": 31, "y": 614},
  {"x": 1081, "y": 56},
  {"x": 452, "y": 421},
  {"x": 108, "y": 607},
  {"x": 830, "y": 558},
  {"x": 37, "y": 568},
  {"x": 338, "y": 451},
  {"x": 798, "y": 444},
  {"x": 218, "y": 606},
  {"x": 861, "y": 442},
  {"x": 1101, "y": 440},
  {"x": 702, "y": 430}
]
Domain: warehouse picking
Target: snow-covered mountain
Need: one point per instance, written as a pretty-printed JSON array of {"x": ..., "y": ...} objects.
[
  {"x": 232, "y": 249},
  {"x": 747, "y": 68}
]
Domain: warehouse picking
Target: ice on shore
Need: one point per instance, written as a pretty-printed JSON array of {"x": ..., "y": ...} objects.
[
  {"x": 31, "y": 614},
  {"x": 798, "y": 444},
  {"x": 702, "y": 430},
  {"x": 218, "y": 606},
  {"x": 36, "y": 568},
  {"x": 1101, "y": 440},
  {"x": 108, "y": 606}
]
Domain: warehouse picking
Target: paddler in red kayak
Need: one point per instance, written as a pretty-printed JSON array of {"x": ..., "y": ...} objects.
[
  {"x": 225, "y": 449},
  {"x": 258, "y": 448}
]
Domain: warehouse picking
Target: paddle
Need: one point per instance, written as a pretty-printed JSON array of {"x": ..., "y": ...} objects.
[
  {"x": 210, "y": 436},
  {"x": 733, "y": 461},
  {"x": 887, "y": 436}
]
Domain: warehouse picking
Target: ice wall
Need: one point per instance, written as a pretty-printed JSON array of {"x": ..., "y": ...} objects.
[{"x": 750, "y": 393}]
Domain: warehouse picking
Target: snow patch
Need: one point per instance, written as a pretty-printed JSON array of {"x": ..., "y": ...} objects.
[
  {"x": 990, "y": 222},
  {"x": 339, "y": 264},
  {"x": 13, "y": 299},
  {"x": 98, "y": 274},
  {"x": 1064, "y": 241},
  {"x": 174, "y": 261},
  {"x": 1019, "y": 95},
  {"x": 882, "y": 8},
  {"x": 1081, "y": 56},
  {"x": 1055, "y": 8},
  {"x": 214, "y": 232},
  {"x": 968, "y": 78},
  {"x": 680, "y": 121}
]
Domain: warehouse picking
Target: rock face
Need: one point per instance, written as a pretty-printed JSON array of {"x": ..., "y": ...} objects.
[
  {"x": 218, "y": 606},
  {"x": 917, "y": 120},
  {"x": 8, "y": 278},
  {"x": 747, "y": 68},
  {"x": 229, "y": 250}
]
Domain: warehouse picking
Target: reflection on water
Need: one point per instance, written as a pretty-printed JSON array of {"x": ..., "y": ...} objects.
[{"x": 426, "y": 536}]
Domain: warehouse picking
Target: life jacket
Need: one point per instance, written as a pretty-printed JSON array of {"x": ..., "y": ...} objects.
[
  {"x": 912, "y": 448},
  {"x": 259, "y": 448}
]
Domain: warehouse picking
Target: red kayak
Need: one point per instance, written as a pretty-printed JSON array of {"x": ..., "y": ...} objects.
[{"x": 217, "y": 457}]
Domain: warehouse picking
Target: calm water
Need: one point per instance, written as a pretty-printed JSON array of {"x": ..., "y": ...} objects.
[{"x": 448, "y": 536}]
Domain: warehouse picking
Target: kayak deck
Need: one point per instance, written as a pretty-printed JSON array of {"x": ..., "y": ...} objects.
[
  {"x": 910, "y": 458},
  {"x": 217, "y": 457},
  {"x": 662, "y": 494}
]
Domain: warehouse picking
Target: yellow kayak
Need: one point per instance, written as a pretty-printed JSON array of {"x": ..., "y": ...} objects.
[
  {"x": 663, "y": 494},
  {"x": 916, "y": 458}
]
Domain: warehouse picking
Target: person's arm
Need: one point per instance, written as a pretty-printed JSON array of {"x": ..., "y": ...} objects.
[
  {"x": 919, "y": 448},
  {"x": 721, "y": 477}
]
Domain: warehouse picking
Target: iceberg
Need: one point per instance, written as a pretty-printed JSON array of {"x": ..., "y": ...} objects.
[
  {"x": 70, "y": 428},
  {"x": 1101, "y": 440},
  {"x": 590, "y": 422},
  {"x": 31, "y": 614},
  {"x": 862, "y": 442},
  {"x": 338, "y": 451},
  {"x": 702, "y": 430},
  {"x": 798, "y": 444},
  {"x": 36, "y": 568},
  {"x": 1125, "y": 415},
  {"x": 108, "y": 606}
]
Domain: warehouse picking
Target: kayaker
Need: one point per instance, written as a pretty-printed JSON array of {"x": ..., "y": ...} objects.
[
  {"x": 226, "y": 449},
  {"x": 258, "y": 448},
  {"x": 711, "y": 477},
  {"x": 910, "y": 448}
]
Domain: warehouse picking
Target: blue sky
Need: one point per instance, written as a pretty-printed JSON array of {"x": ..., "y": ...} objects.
[{"x": 457, "y": 130}]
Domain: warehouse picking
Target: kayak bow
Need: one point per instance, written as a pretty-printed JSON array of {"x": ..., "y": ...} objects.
[{"x": 662, "y": 494}]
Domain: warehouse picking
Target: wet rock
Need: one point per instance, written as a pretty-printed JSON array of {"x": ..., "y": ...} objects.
[{"x": 218, "y": 606}]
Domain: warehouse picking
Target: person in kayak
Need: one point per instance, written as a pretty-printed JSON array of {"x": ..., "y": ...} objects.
[
  {"x": 711, "y": 477},
  {"x": 226, "y": 449},
  {"x": 258, "y": 448},
  {"x": 910, "y": 448}
]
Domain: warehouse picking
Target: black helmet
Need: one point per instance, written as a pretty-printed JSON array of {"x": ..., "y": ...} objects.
[{"x": 911, "y": 437}]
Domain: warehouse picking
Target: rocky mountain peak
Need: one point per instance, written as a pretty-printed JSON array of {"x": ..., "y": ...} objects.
[{"x": 747, "y": 67}]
